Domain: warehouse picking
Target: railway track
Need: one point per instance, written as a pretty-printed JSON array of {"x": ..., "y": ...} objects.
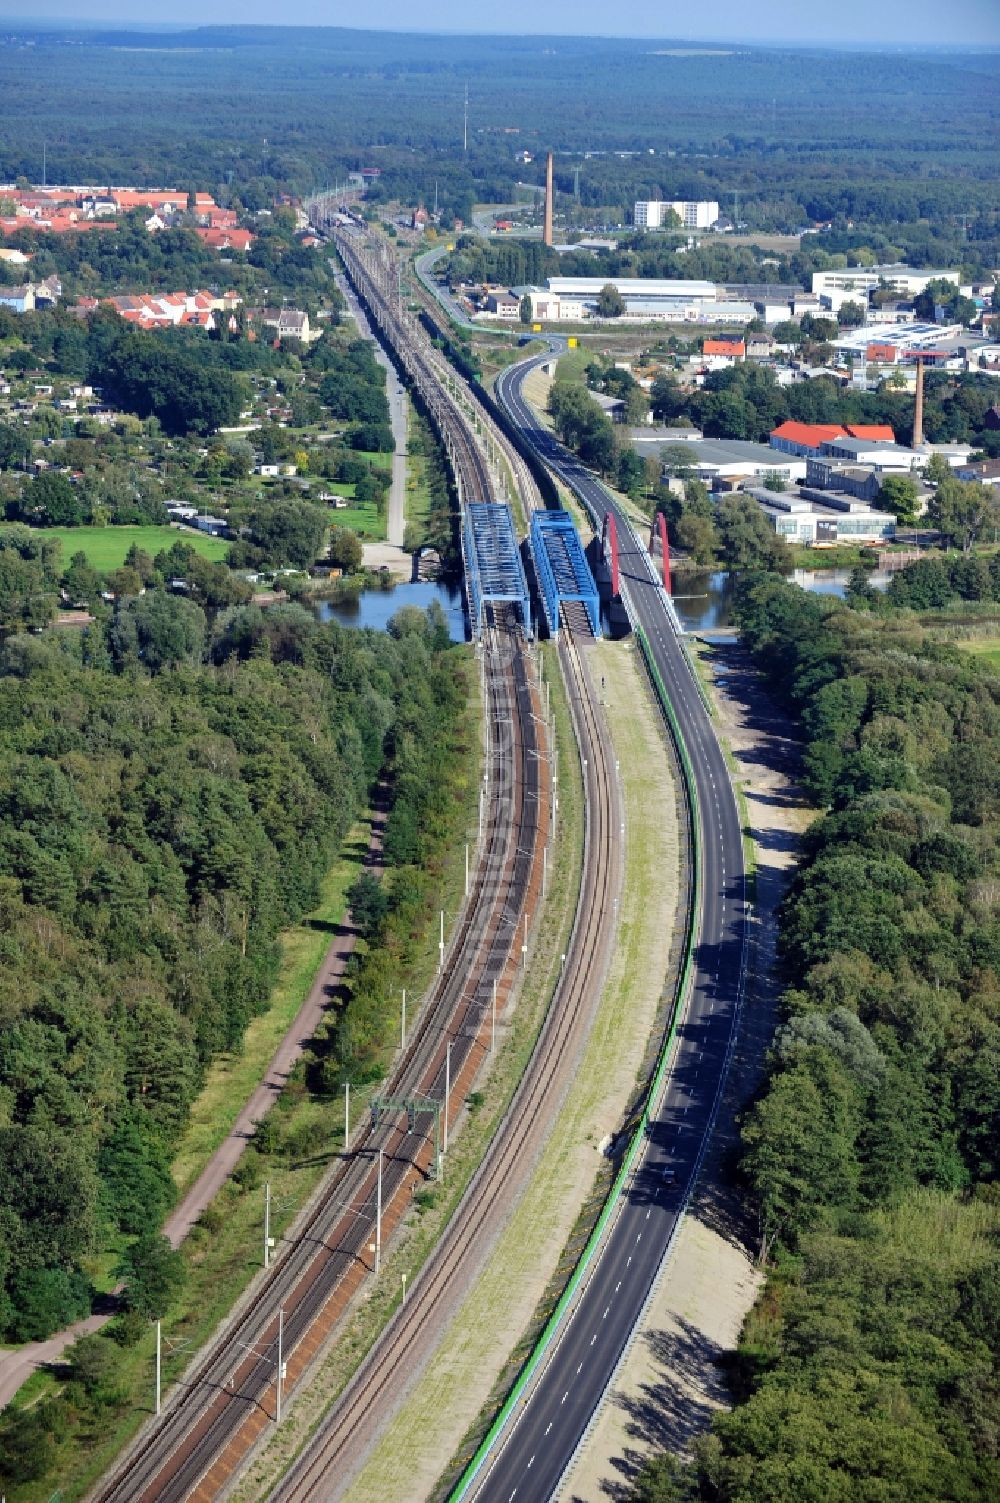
[
  {"x": 328, "y": 1463},
  {"x": 229, "y": 1395},
  {"x": 337, "y": 1450}
]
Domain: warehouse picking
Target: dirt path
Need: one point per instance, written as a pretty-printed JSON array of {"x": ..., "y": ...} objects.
[
  {"x": 16, "y": 1366},
  {"x": 671, "y": 1380}
]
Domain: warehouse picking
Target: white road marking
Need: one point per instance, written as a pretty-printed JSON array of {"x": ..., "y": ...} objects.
[{"x": 548, "y": 1427}]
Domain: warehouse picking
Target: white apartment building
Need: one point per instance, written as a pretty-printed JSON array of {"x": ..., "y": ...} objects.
[{"x": 694, "y": 214}]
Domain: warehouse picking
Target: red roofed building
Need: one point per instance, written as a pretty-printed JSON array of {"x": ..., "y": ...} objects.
[
  {"x": 735, "y": 349},
  {"x": 804, "y": 438},
  {"x": 878, "y": 432},
  {"x": 158, "y": 198},
  {"x": 885, "y": 354},
  {"x": 237, "y": 240}
]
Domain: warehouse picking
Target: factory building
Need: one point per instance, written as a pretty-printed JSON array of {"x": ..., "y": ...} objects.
[
  {"x": 801, "y": 519},
  {"x": 906, "y": 281},
  {"x": 693, "y": 213}
]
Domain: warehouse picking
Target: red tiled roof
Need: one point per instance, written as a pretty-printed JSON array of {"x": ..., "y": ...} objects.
[
  {"x": 723, "y": 347},
  {"x": 810, "y": 434},
  {"x": 877, "y": 432}
]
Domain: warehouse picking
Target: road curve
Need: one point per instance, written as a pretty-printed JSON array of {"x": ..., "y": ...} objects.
[{"x": 538, "y": 1445}]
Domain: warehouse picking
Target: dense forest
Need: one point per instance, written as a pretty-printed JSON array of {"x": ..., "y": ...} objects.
[
  {"x": 267, "y": 108},
  {"x": 868, "y": 1370},
  {"x": 173, "y": 787}
]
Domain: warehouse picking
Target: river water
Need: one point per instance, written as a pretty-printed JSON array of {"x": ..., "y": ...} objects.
[
  {"x": 704, "y": 599},
  {"x": 375, "y": 608}
]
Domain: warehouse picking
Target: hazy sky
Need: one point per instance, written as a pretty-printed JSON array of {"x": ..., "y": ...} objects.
[{"x": 881, "y": 21}]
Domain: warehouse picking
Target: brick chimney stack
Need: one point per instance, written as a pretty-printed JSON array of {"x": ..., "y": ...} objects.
[
  {"x": 918, "y": 408},
  {"x": 547, "y": 231}
]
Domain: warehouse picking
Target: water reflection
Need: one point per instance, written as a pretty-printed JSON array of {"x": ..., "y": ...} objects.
[
  {"x": 374, "y": 608},
  {"x": 704, "y": 597}
]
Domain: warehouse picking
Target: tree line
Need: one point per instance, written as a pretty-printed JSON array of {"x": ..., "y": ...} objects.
[
  {"x": 868, "y": 1368},
  {"x": 175, "y": 783},
  {"x": 746, "y": 402}
]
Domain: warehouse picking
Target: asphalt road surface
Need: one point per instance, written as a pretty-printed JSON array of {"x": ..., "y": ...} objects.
[{"x": 542, "y": 1438}]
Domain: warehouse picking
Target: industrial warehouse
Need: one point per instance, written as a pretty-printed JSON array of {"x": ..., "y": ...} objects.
[{"x": 646, "y": 300}]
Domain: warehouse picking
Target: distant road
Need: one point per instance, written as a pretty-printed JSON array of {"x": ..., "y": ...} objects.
[{"x": 396, "y": 397}]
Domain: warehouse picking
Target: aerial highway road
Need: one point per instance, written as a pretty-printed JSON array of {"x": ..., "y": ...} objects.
[{"x": 533, "y": 1452}]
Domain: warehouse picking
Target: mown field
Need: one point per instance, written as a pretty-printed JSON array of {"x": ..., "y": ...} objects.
[{"x": 106, "y": 547}]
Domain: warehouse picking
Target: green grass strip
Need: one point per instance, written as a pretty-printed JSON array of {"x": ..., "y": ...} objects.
[{"x": 656, "y": 1084}]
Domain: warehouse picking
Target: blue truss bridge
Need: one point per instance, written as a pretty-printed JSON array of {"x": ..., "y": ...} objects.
[
  {"x": 494, "y": 573},
  {"x": 565, "y": 581}
]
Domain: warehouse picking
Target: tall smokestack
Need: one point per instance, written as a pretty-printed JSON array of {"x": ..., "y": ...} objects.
[
  {"x": 547, "y": 231},
  {"x": 918, "y": 408}
]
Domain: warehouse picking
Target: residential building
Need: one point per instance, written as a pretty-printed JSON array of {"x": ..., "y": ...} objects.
[
  {"x": 694, "y": 214},
  {"x": 287, "y": 323},
  {"x": 226, "y": 239},
  {"x": 728, "y": 350},
  {"x": 612, "y": 407},
  {"x": 20, "y": 299},
  {"x": 504, "y": 305},
  {"x": 985, "y": 471},
  {"x": 760, "y": 346}
]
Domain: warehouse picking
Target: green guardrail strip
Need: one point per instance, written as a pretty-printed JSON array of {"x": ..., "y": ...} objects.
[{"x": 655, "y": 1086}]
